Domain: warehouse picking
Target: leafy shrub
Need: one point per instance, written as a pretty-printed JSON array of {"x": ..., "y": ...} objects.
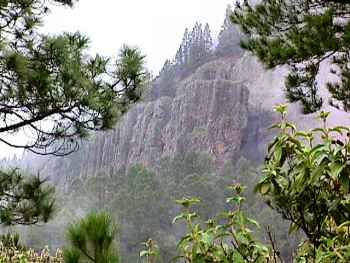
[
  {"x": 13, "y": 255},
  {"x": 227, "y": 238},
  {"x": 306, "y": 179},
  {"x": 11, "y": 240}
]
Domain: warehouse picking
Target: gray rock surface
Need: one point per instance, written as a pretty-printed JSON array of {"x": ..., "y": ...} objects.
[{"x": 223, "y": 108}]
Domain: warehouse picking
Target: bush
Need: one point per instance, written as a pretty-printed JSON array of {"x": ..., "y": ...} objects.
[
  {"x": 11, "y": 240},
  {"x": 226, "y": 238},
  {"x": 13, "y": 255}
]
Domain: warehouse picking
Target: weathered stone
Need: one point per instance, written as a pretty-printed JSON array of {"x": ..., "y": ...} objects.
[
  {"x": 223, "y": 108},
  {"x": 208, "y": 114}
]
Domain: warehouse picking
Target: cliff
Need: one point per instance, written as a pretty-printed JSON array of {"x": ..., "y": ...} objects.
[
  {"x": 209, "y": 114},
  {"x": 222, "y": 108}
]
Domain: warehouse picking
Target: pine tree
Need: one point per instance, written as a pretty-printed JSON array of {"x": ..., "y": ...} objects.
[
  {"x": 182, "y": 54},
  {"x": 92, "y": 240},
  {"x": 167, "y": 65},
  {"x": 192, "y": 45},
  {"x": 54, "y": 92},
  {"x": 52, "y": 89},
  {"x": 229, "y": 37},
  {"x": 195, "y": 48},
  {"x": 208, "y": 40},
  {"x": 24, "y": 200},
  {"x": 303, "y": 35}
]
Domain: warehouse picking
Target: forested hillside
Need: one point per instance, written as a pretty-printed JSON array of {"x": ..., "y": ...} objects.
[
  {"x": 198, "y": 129},
  {"x": 220, "y": 104},
  {"x": 202, "y": 124}
]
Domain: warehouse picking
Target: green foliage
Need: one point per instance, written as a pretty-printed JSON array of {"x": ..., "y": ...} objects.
[
  {"x": 52, "y": 80},
  {"x": 14, "y": 255},
  {"x": 11, "y": 240},
  {"x": 24, "y": 200},
  {"x": 231, "y": 240},
  {"x": 54, "y": 91},
  {"x": 301, "y": 34},
  {"x": 195, "y": 49},
  {"x": 330, "y": 250},
  {"x": 143, "y": 207},
  {"x": 193, "y": 175},
  {"x": 229, "y": 37},
  {"x": 92, "y": 240},
  {"x": 306, "y": 179},
  {"x": 143, "y": 202},
  {"x": 151, "y": 252},
  {"x": 165, "y": 83}
]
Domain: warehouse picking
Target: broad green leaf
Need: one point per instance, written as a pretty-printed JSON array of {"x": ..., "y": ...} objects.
[
  {"x": 278, "y": 153},
  {"x": 207, "y": 238},
  {"x": 254, "y": 222},
  {"x": 281, "y": 108},
  {"x": 303, "y": 134},
  {"x": 345, "y": 224},
  {"x": 235, "y": 199},
  {"x": 264, "y": 188},
  {"x": 187, "y": 202},
  {"x": 317, "y": 173},
  {"x": 335, "y": 169}
]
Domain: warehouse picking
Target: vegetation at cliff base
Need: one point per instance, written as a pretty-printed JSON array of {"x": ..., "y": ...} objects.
[
  {"x": 185, "y": 205},
  {"x": 55, "y": 93}
]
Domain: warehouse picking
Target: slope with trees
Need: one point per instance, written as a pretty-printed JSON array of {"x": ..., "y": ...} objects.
[
  {"x": 305, "y": 176},
  {"x": 229, "y": 37},
  {"x": 52, "y": 91}
]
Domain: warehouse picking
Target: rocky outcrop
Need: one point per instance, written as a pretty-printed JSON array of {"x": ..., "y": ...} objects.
[
  {"x": 208, "y": 114},
  {"x": 223, "y": 108}
]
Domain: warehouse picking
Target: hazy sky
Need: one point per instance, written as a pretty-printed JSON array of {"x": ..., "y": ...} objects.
[{"x": 156, "y": 26}]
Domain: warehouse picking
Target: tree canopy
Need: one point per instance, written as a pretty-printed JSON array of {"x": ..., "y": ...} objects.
[
  {"x": 54, "y": 93},
  {"x": 302, "y": 34},
  {"x": 229, "y": 37},
  {"x": 196, "y": 46},
  {"x": 92, "y": 240},
  {"x": 51, "y": 89},
  {"x": 24, "y": 200}
]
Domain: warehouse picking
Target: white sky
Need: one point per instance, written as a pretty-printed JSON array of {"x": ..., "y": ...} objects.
[{"x": 156, "y": 26}]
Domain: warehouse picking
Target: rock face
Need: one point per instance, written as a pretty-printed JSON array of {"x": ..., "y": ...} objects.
[
  {"x": 209, "y": 114},
  {"x": 223, "y": 108}
]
